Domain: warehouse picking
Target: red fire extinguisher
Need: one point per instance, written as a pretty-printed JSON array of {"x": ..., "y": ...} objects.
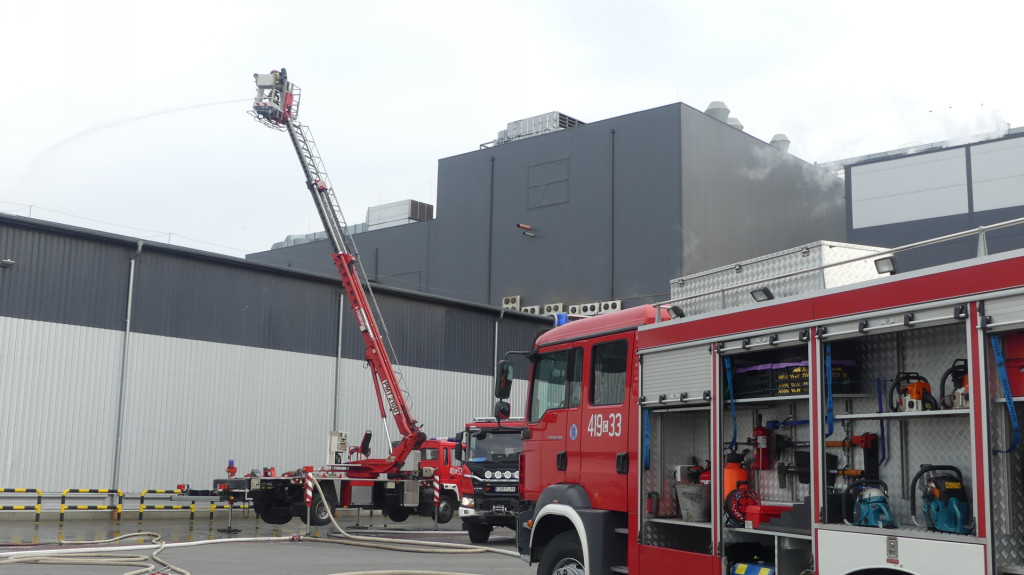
[{"x": 762, "y": 452}]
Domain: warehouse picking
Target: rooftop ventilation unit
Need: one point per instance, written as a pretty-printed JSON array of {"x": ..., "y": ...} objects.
[
  {"x": 718, "y": 110},
  {"x": 536, "y": 125},
  {"x": 781, "y": 142}
]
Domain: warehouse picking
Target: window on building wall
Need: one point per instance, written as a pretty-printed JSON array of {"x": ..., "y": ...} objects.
[
  {"x": 547, "y": 184},
  {"x": 608, "y": 373}
]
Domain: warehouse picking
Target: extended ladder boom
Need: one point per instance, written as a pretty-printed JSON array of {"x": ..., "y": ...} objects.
[{"x": 276, "y": 106}]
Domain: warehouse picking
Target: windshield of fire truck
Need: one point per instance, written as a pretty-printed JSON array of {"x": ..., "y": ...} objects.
[{"x": 487, "y": 445}]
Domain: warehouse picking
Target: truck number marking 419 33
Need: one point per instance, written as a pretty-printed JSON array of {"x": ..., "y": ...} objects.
[{"x": 600, "y": 426}]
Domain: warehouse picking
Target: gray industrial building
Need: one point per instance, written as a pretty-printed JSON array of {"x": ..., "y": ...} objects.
[
  {"x": 139, "y": 366},
  {"x": 615, "y": 209},
  {"x": 618, "y": 208}
]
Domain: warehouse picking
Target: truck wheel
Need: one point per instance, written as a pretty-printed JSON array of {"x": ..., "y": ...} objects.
[
  {"x": 323, "y": 510},
  {"x": 562, "y": 556},
  {"x": 446, "y": 508},
  {"x": 397, "y": 514},
  {"x": 479, "y": 533},
  {"x": 273, "y": 516}
]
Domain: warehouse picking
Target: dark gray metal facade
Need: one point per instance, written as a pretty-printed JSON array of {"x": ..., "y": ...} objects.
[
  {"x": 67, "y": 275},
  {"x": 62, "y": 277},
  {"x": 617, "y": 207},
  {"x": 914, "y": 228}
]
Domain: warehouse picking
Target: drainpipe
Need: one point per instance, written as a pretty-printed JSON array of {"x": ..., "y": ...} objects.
[
  {"x": 124, "y": 366},
  {"x": 497, "y": 324},
  {"x": 337, "y": 362}
]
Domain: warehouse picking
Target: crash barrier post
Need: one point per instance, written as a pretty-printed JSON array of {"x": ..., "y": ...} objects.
[
  {"x": 437, "y": 499},
  {"x": 39, "y": 500},
  {"x": 142, "y": 503},
  {"x": 308, "y": 497},
  {"x": 228, "y": 505},
  {"x": 117, "y": 508}
]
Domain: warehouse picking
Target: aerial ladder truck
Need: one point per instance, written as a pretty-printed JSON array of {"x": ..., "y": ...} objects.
[{"x": 361, "y": 481}]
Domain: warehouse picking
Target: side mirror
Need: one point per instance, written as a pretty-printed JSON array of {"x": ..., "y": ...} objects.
[
  {"x": 502, "y": 410},
  {"x": 458, "y": 446},
  {"x": 503, "y": 384}
]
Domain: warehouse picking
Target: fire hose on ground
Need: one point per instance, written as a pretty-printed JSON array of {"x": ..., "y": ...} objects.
[{"x": 115, "y": 555}]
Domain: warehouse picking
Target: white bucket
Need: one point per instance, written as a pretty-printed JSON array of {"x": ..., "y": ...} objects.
[{"x": 694, "y": 502}]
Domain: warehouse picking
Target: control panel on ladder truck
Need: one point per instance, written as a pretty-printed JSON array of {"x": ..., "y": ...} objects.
[{"x": 276, "y": 105}]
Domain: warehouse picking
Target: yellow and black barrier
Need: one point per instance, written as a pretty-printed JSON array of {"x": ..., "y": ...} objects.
[
  {"x": 39, "y": 500},
  {"x": 229, "y": 505},
  {"x": 142, "y": 503},
  {"x": 116, "y": 508}
]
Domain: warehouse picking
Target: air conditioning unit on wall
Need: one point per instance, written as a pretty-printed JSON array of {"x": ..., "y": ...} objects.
[
  {"x": 611, "y": 305},
  {"x": 553, "y": 308},
  {"x": 534, "y": 309},
  {"x": 511, "y": 302}
]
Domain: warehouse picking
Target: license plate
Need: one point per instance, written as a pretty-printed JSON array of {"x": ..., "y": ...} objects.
[{"x": 505, "y": 489}]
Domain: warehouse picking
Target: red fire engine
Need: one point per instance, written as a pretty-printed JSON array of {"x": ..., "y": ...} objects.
[
  {"x": 864, "y": 429},
  {"x": 385, "y": 483},
  {"x": 490, "y": 448}
]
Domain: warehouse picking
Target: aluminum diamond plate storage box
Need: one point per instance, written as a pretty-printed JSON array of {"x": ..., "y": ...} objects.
[{"x": 791, "y": 272}]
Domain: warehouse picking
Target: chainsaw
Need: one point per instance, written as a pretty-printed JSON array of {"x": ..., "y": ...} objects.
[
  {"x": 871, "y": 508},
  {"x": 959, "y": 398},
  {"x": 910, "y": 391},
  {"x": 944, "y": 500}
]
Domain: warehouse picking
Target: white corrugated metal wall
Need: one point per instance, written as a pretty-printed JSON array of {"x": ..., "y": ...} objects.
[
  {"x": 190, "y": 406},
  {"x": 59, "y": 388}
]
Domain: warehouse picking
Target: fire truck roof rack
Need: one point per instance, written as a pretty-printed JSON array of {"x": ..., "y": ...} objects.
[{"x": 811, "y": 267}]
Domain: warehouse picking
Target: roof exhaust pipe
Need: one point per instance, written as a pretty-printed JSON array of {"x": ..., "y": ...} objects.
[
  {"x": 781, "y": 142},
  {"x": 718, "y": 110}
]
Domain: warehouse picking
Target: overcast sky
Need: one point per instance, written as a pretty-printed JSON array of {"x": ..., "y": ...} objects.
[{"x": 130, "y": 117}]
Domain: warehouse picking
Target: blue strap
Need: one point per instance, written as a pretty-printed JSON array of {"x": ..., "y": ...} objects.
[
  {"x": 997, "y": 349},
  {"x": 879, "y": 391},
  {"x": 830, "y": 416},
  {"x": 647, "y": 439},
  {"x": 732, "y": 402}
]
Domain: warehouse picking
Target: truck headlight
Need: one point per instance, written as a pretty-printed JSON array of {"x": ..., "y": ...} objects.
[
  {"x": 488, "y": 474},
  {"x": 467, "y": 502}
]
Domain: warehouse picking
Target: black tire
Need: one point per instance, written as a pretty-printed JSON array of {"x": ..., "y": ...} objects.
[
  {"x": 397, "y": 514},
  {"x": 479, "y": 533},
  {"x": 562, "y": 556},
  {"x": 322, "y": 510},
  {"x": 446, "y": 508},
  {"x": 273, "y": 516}
]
